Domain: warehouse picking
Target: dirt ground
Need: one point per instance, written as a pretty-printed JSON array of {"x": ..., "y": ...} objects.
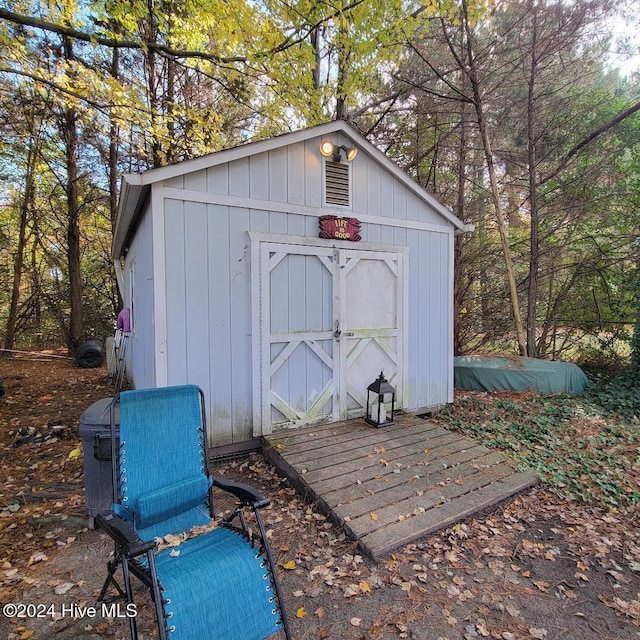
[{"x": 534, "y": 567}]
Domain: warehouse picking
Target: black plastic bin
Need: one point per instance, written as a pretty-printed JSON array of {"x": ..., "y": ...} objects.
[{"x": 95, "y": 432}]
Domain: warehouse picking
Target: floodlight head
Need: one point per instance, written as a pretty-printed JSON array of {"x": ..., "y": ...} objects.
[{"x": 330, "y": 150}]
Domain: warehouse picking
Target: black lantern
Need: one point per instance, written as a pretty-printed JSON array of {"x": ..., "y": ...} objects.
[{"x": 381, "y": 399}]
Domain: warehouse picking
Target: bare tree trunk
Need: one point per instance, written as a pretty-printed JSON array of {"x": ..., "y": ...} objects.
[
  {"x": 341, "y": 97},
  {"x": 314, "y": 38},
  {"x": 495, "y": 193},
  {"x": 70, "y": 136},
  {"x": 18, "y": 261},
  {"x": 344, "y": 55},
  {"x": 150, "y": 32},
  {"x": 114, "y": 136},
  {"x": 36, "y": 278},
  {"x": 169, "y": 110},
  {"x": 460, "y": 212},
  {"x": 113, "y": 149},
  {"x": 534, "y": 249}
]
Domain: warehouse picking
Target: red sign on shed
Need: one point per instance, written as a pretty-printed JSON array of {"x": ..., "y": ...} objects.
[{"x": 333, "y": 227}]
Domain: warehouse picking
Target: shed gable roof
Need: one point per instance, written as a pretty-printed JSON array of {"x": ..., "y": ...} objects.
[{"x": 135, "y": 188}]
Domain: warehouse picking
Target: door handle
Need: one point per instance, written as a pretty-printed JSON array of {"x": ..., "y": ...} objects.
[{"x": 337, "y": 332}]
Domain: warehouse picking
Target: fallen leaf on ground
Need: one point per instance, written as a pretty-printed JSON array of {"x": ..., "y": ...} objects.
[
  {"x": 38, "y": 556},
  {"x": 62, "y": 588}
]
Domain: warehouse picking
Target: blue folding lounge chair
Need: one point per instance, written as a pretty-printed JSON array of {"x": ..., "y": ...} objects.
[{"x": 221, "y": 584}]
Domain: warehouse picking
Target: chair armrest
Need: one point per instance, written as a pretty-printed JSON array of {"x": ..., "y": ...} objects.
[
  {"x": 249, "y": 496},
  {"x": 123, "y": 534}
]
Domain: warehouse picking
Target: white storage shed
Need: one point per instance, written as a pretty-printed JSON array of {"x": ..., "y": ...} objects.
[{"x": 231, "y": 285}]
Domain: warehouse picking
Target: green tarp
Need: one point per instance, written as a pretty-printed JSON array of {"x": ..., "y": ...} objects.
[{"x": 482, "y": 373}]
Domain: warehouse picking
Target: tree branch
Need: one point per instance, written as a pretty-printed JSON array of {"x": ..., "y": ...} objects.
[
  {"x": 113, "y": 43},
  {"x": 116, "y": 43},
  {"x": 590, "y": 138}
]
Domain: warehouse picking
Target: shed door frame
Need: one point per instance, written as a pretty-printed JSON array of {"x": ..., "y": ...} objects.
[{"x": 332, "y": 255}]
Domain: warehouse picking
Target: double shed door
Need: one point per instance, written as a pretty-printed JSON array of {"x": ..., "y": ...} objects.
[{"x": 331, "y": 320}]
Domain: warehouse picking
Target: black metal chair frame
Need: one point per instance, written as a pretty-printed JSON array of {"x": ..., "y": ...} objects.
[{"x": 129, "y": 549}]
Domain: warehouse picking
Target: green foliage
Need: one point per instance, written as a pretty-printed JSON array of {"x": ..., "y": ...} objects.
[
  {"x": 546, "y": 89},
  {"x": 194, "y": 77},
  {"x": 617, "y": 395},
  {"x": 635, "y": 339},
  {"x": 185, "y": 79},
  {"x": 585, "y": 448}
]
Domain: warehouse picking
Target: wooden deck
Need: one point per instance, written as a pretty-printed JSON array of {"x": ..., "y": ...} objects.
[{"x": 390, "y": 486}]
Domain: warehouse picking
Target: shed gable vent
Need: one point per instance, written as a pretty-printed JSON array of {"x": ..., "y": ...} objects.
[{"x": 336, "y": 183}]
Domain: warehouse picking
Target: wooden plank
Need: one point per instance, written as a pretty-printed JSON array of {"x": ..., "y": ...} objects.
[
  {"x": 397, "y": 506},
  {"x": 355, "y": 459},
  {"x": 392, "y": 487},
  {"x": 312, "y": 177},
  {"x": 318, "y": 440},
  {"x": 239, "y": 180},
  {"x": 412, "y": 465},
  {"x": 302, "y": 439},
  {"x": 369, "y": 440},
  {"x": 416, "y": 477},
  {"x": 386, "y": 539},
  {"x": 278, "y": 174},
  {"x": 281, "y": 464},
  {"x": 402, "y": 420},
  {"x": 302, "y": 451}
]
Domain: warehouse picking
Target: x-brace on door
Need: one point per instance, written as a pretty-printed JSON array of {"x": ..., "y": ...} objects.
[{"x": 330, "y": 320}]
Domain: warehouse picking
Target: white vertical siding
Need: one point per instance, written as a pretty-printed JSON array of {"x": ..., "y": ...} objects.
[
  {"x": 176, "y": 291},
  {"x": 372, "y": 188},
  {"x": 313, "y": 174},
  {"x": 140, "y": 353},
  {"x": 240, "y": 283},
  {"x": 196, "y": 283},
  {"x": 239, "y": 178},
  {"x": 258, "y": 169},
  {"x": 430, "y": 303},
  {"x": 209, "y": 311},
  {"x": 207, "y": 289},
  {"x": 219, "y": 357},
  {"x": 218, "y": 179},
  {"x": 296, "y": 173},
  {"x": 276, "y": 176}
]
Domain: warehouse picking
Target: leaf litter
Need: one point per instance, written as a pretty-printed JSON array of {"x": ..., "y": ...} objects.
[{"x": 538, "y": 566}]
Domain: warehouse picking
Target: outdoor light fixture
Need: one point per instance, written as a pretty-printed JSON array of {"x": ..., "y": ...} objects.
[
  {"x": 381, "y": 398},
  {"x": 330, "y": 150}
]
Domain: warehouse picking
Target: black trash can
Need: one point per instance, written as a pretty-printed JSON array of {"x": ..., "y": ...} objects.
[{"x": 95, "y": 432}]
